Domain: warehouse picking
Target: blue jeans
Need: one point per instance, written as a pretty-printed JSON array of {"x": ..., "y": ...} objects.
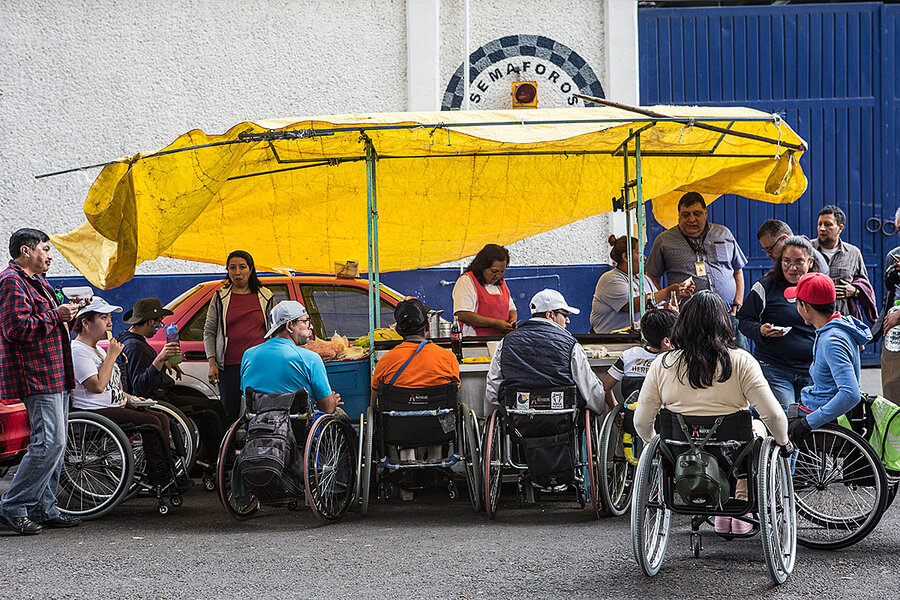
[
  {"x": 32, "y": 492},
  {"x": 786, "y": 385},
  {"x": 740, "y": 339}
]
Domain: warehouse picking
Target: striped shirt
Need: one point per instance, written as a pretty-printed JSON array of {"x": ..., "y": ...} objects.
[{"x": 673, "y": 257}]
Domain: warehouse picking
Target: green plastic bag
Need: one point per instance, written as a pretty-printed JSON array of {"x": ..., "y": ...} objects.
[{"x": 885, "y": 438}]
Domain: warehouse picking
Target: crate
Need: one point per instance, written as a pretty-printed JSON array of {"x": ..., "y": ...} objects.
[{"x": 351, "y": 379}]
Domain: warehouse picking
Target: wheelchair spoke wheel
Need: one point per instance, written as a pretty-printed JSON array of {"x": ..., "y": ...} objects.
[
  {"x": 469, "y": 449},
  {"x": 650, "y": 519},
  {"x": 840, "y": 488},
  {"x": 330, "y": 468},
  {"x": 367, "y": 431},
  {"x": 492, "y": 464},
  {"x": 618, "y": 463},
  {"x": 239, "y": 503},
  {"x": 592, "y": 441},
  {"x": 777, "y": 513},
  {"x": 98, "y": 466}
]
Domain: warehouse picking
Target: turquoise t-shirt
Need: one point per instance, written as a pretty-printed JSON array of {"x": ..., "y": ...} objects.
[{"x": 279, "y": 366}]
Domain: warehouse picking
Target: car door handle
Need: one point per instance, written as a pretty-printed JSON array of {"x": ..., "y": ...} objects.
[{"x": 194, "y": 355}]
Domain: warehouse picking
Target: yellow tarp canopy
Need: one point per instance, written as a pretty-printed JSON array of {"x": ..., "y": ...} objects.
[{"x": 444, "y": 189}]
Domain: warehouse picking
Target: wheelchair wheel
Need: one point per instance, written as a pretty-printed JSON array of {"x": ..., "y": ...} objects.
[
  {"x": 592, "y": 440},
  {"x": 617, "y": 467},
  {"x": 840, "y": 488},
  {"x": 650, "y": 519},
  {"x": 232, "y": 444},
  {"x": 468, "y": 449},
  {"x": 491, "y": 457},
  {"x": 777, "y": 512},
  {"x": 367, "y": 433},
  {"x": 330, "y": 473},
  {"x": 186, "y": 429},
  {"x": 98, "y": 466}
]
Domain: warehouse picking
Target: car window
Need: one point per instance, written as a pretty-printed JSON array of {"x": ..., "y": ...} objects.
[
  {"x": 341, "y": 308},
  {"x": 193, "y": 330}
]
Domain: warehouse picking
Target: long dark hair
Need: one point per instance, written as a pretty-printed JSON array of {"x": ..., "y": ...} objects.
[
  {"x": 253, "y": 280},
  {"x": 485, "y": 259},
  {"x": 777, "y": 272},
  {"x": 704, "y": 334}
]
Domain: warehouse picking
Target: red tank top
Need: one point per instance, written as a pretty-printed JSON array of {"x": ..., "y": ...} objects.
[
  {"x": 245, "y": 326},
  {"x": 493, "y": 306}
]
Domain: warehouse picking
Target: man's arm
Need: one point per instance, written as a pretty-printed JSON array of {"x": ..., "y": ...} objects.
[
  {"x": 494, "y": 378},
  {"x": 142, "y": 374},
  {"x": 840, "y": 364},
  {"x": 587, "y": 382},
  {"x": 17, "y": 322},
  {"x": 738, "y": 290}
]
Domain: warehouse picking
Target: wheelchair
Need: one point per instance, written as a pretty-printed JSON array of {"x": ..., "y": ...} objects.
[
  {"x": 540, "y": 439},
  {"x": 619, "y": 449},
  {"x": 326, "y": 446},
  {"x": 843, "y": 489},
  {"x": 770, "y": 491},
  {"x": 409, "y": 418},
  {"x": 104, "y": 463}
]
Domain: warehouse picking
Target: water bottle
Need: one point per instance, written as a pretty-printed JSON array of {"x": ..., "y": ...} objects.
[
  {"x": 456, "y": 340},
  {"x": 172, "y": 336},
  {"x": 892, "y": 337}
]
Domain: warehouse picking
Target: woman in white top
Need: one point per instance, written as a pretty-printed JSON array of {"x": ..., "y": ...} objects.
[
  {"x": 706, "y": 375},
  {"x": 609, "y": 308},
  {"x": 99, "y": 384},
  {"x": 481, "y": 300}
]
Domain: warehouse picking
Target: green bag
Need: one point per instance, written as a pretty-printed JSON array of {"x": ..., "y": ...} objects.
[
  {"x": 885, "y": 438},
  {"x": 698, "y": 477}
]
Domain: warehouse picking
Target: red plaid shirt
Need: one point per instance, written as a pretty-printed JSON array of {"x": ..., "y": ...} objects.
[{"x": 35, "y": 349}]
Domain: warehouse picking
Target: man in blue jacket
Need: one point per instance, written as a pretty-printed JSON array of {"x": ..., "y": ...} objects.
[{"x": 835, "y": 368}]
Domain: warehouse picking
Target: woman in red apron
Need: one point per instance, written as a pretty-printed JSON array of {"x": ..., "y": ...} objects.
[{"x": 481, "y": 300}]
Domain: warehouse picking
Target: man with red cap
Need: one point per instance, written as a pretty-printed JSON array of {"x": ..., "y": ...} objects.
[{"x": 835, "y": 368}]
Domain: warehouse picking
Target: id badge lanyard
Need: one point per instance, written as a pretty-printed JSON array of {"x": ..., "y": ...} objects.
[{"x": 700, "y": 264}]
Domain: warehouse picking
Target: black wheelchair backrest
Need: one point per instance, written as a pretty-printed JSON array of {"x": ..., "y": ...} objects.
[
  {"x": 631, "y": 384},
  {"x": 417, "y": 416},
  {"x": 293, "y": 402},
  {"x": 736, "y": 427},
  {"x": 540, "y": 398}
]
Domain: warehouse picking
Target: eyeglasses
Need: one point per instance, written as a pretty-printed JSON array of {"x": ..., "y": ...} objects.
[
  {"x": 561, "y": 313},
  {"x": 795, "y": 264},
  {"x": 305, "y": 321},
  {"x": 768, "y": 249}
]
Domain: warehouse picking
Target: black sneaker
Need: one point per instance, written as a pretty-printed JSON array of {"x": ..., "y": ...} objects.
[
  {"x": 21, "y": 525},
  {"x": 61, "y": 520}
]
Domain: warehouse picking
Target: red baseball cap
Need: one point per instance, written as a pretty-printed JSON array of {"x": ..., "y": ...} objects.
[{"x": 814, "y": 288}]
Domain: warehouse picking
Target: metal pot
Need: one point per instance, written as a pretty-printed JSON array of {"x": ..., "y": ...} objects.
[{"x": 434, "y": 323}]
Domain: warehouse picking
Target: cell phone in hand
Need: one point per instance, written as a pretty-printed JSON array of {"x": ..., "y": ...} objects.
[
  {"x": 80, "y": 295},
  {"x": 783, "y": 329}
]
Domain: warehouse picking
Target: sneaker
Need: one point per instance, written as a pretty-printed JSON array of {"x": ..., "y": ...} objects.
[
  {"x": 723, "y": 524},
  {"x": 739, "y": 527},
  {"x": 21, "y": 525}
]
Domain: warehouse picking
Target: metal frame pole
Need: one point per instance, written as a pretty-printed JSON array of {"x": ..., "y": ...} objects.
[
  {"x": 640, "y": 217},
  {"x": 373, "y": 274},
  {"x": 626, "y": 195}
]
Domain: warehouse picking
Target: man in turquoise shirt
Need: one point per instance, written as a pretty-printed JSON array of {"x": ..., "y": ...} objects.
[{"x": 279, "y": 365}]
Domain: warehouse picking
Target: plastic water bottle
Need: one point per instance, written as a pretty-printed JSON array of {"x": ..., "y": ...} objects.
[
  {"x": 172, "y": 337},
  {"x": 892, "y": 338},
  {"x": 456, "y": 340}
]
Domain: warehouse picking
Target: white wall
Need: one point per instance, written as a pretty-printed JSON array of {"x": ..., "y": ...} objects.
[{"x": 85, "y": 82}]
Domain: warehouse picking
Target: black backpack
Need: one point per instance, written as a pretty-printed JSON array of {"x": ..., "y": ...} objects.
[{"x": 269, "y": 463}]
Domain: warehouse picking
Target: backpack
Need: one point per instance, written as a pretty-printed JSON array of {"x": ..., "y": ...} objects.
[
  {"x": 885, "y": 438},
  {"x": 698, "y": 477},
  {"x": 269, "y": 463}
]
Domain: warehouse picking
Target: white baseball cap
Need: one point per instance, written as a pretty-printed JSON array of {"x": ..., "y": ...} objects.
[
  {"x": 546, "y": 300},
  {"x": 99, "y": 305},
  {"x": 284, "y": 312}
]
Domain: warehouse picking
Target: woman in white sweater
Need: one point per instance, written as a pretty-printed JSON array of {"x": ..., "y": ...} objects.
[{"x": 707, "y": 375}]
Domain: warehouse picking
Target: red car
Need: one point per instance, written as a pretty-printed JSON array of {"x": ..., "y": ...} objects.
[
  {"x": 14, "y": 433},
  {"x": 334, "y": 304}
]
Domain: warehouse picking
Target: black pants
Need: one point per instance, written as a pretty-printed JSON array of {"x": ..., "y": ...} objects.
[
  {"x": 230, "y": 392},
  {"x": 207, "y": 414},
  {"x": 154, "y": 448}
]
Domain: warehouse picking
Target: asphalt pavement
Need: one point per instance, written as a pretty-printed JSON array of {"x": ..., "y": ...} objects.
[{"x": 430, "y": 547}]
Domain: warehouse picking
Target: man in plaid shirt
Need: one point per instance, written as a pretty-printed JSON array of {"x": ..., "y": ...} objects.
[{"x": 36, "y": 368}]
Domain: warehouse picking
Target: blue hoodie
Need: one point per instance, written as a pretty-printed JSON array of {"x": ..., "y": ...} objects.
[{"x": 835, "y": 370}]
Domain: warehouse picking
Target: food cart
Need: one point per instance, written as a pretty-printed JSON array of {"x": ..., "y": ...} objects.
[{"x": 411, "y": 190}]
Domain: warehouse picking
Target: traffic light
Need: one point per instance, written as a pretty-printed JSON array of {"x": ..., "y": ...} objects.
[{"x": 524, "y": 94}]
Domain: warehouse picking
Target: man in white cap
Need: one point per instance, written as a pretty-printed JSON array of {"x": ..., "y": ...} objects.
[
  {"x": 279, "y": 365},
  {"x": 541, "y": 353}
]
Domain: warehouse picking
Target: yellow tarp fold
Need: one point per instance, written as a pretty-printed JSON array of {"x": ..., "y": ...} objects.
[{"x": 443, "y": 192}]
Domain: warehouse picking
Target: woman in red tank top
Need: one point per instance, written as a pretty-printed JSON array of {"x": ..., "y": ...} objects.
[{"x": 481, "y": 300}]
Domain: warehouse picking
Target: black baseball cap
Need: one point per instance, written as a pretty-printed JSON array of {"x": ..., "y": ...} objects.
[{"x": 411, "y": 316}]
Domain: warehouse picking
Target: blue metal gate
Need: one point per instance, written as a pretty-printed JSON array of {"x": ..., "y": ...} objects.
[{"x": 830, "y": 70}]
